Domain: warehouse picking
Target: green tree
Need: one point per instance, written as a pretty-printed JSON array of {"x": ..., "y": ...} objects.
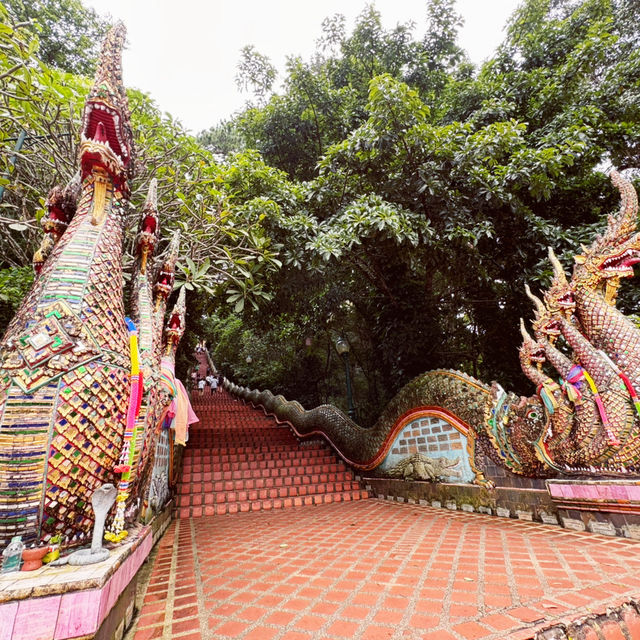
[
  {"x": 255, "y": 72},
  {"x": 325, "y": 99},
  {"x": 222, "y": 139},
  {"x": 14, "y": 285},
  {"x": 70, "y": 34},
  {"x": 40, "y": 103}
]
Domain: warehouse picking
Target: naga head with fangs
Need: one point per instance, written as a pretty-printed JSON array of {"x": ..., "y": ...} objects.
[
  {"x": 106, "y": 142},
  {"x": 612, "y": 255}
]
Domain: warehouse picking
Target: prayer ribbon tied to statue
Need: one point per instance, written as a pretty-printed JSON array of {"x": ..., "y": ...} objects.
[
  {"x": 576, "y": 374},
  {"x": 546, "y": 394},
  {"x": 125, "y": 462}
]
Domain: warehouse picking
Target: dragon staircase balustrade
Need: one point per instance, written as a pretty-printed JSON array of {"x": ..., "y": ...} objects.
[
  {"x": 84, "y": 391},
  {"x": 584, "y": 358}
]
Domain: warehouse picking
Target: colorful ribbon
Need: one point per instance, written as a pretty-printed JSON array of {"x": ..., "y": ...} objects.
[
  {"x": 627, "y": 383},
  {"x": 613, "y": 440},
  {"x": 125, "y": 462},
  {"x": 546, "y": 394}
]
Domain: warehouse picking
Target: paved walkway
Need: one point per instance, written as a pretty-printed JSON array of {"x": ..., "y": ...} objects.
[{"x": 377, "y": 570}]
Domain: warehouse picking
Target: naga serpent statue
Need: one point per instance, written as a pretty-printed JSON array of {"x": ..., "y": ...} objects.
[
  {"x": 584, "y": 359},
  {"x": 80, "y": 385}
]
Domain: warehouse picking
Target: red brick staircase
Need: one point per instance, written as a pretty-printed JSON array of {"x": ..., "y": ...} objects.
[{"x": 237, "y": 460}]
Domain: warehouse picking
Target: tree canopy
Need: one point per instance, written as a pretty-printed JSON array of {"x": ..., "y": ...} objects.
[{"x": 70, "y": 34}]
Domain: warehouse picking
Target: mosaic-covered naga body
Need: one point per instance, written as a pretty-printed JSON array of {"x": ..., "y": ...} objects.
[
  {"x": 66, "y": 358},
  {"x": 600, "y": 379}
]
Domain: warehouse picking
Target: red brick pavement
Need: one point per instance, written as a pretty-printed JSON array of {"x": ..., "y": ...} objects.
[{"x": 377, "y": 570}]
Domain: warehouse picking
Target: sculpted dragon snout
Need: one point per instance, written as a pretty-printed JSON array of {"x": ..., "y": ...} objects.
[{"x": 613, "y": 254}]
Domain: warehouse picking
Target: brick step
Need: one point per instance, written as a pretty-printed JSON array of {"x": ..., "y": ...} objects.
[
  {"x": 249, "y": 415},
  {"x": 223, "y": 426},
  {"x": 265, "y": 444},
  {"x": 242, "y": 434},
  {"x": 282, "y": 458},
  {"x": 192, "y": 456},
  {"x": 231, "y": 419},
  {"x": 223, "y": 448},
  {"x": 263, "y": 467},
  {"x": 238, "y": 440},
  {"x": 252, "y": 495},
  {"x": 249, "y": 479},
  {"x": 276, "y": 451},
  {"x": 268, "y": 504},
  {"x": 233, "y": 410},
  {"x": 239, "y": 434},
  {"x": 235, "y": 483},
  {"x": 227, "y": 443},
  {"x": 279, "y": 459},
  {"x": 259, "y": 469},
  {"x": 230, "y": 422},
  {"x": 292, "y": 466},
  {"x": 217, "y": 428},
  {"x": 229, "y": 470}
]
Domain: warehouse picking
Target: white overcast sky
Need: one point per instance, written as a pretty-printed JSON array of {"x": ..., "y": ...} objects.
[{"x": 185, "y": 52}]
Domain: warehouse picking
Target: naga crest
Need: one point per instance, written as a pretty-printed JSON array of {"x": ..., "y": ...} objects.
[
  {"x": 544, "y": 323},
  {"x": 148, "y": 233},
  {"x": 175, "y": 325},
  {"x": 559, "y": 297},
  {"x": 530, "y": 352},
  {"x": 107, "y": 141},
  {"x": 166, "y": 275},
  {"x": 61, "y": 206}
]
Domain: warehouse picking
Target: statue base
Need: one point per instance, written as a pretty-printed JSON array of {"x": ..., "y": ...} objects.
[
  {"x": 72, "y": 602},
  {"x": 87, "y": 556},
  {"x": 605, "y": 506}
]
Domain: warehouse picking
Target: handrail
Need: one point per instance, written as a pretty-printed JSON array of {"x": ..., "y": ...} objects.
[{"x": 366, "y": 448}]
